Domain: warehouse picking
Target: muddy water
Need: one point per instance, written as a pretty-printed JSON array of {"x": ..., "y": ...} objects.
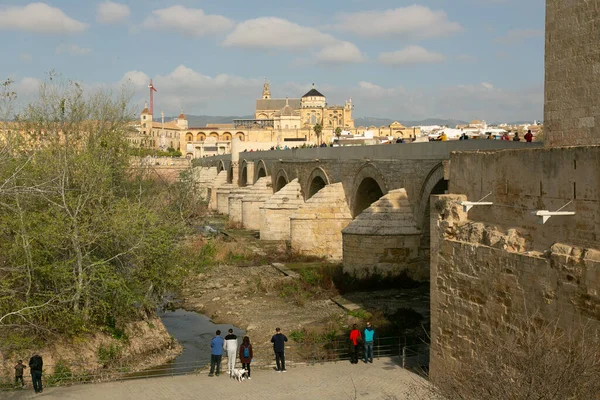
[{"x": 194, "y": 332}]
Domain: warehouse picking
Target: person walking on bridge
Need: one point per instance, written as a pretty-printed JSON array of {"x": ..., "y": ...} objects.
[
  {"x": 278, "y": 341},
  {"x": 369, "y": 338},
  {"x": 230, "y": 345},
  {"x": 216, "y": 346}
]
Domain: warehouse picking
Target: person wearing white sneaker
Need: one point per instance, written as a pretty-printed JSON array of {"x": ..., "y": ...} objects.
[{"x": 230, "y": 345}]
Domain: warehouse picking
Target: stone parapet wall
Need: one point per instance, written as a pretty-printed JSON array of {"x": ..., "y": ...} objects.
[
  {"x": 316, "y": 227},
  {"x": 572, "y": 104},
  {"x": 523, "y": 181}
]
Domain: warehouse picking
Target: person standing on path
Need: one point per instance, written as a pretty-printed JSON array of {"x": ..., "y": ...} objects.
[
  {"x": 246, "y": 354},
  {"x": 369, "y": 334},
  {"x": 278, "y": 341},
  {"x": 35, "y": 368},
  {"x": 230, "y": 345},
  {"x": 355, "y": 338},
  {"x": 19, "y": 373},
  {"x": 216, "y": 346}
]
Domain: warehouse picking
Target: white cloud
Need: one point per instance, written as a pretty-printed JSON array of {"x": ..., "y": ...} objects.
[
  {"x": 136, "y": 78},
  {"x": 273, "y": 32},
  {"x": 411, "y": 55},
  {"x": 224, "y": 94},
  {"x": 188, "y": 21},
  {"x": 340, "y": 53},
  {"x": 519, "y": 35},
  {"x": 110, "y": 12},
  {"x": 411, "y": 21},
  {"x": 39, "y": 18},
  {"x": 72, "y": 49}
]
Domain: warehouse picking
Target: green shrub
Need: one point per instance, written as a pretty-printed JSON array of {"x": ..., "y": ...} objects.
[
  {"x": 109, "y": 353},
  {"x": 62, "y": 374},
  {"x": 297, "y": 336}
]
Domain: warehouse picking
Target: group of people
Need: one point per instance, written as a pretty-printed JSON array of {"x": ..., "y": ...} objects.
[
  {"x": 35, "y": 368},
  {"x": 367, "y": 337},
  {"x": 229, "y": 345}
]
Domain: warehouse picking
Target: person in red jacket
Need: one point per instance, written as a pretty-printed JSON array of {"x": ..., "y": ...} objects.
[
  {"x": 355, "y": 338},
  {"x": 528, "y": 136},
  {"x": 246, "y": 354}
]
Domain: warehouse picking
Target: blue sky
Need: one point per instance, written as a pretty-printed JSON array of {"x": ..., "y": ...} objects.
[{"x": 400, "y": 59}]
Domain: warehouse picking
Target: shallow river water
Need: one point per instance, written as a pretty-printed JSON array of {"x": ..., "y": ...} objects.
[{"x": 194, "y": 332}]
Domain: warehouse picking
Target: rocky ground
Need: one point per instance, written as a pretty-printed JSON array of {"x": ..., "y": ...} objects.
[
  {"x": 256, "y": 298},
  {"x": 250, "y": 298}
]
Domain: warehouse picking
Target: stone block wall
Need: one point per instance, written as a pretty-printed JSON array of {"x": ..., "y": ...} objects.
[
  {"x": 223, "y": 192},
  {"x": 275, "y": 213},
  {"x": 220, "y": 180},
  {"x": 253, "y": 200},
  {"x": 384, "y": 239},
  {"x": 572, "y": 104},
  {"x": 316, "y": 228},
  {"x": 497, "y": 265}
]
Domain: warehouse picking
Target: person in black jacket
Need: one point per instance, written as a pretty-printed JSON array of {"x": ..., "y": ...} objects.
[
  {"x": 35, "y": 366},
  {"x": 278, "y": 341}
]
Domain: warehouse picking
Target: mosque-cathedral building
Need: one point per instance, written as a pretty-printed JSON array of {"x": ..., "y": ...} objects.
[{"x": 277, "y": 122}]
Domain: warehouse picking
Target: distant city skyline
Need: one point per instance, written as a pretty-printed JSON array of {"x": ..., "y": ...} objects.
[{"x": 394, "y": 58}]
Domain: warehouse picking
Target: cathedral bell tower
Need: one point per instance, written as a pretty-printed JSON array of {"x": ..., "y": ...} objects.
[{"x": 266, "y": 91}]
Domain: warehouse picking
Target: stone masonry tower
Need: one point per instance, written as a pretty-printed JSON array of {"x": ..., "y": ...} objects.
[{"x": 572, "y": 104}]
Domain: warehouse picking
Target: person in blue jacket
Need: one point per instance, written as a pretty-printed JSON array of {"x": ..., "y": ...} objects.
[
  {"x": 369, "y": 337},
  {"x": 216, "y": 346}
]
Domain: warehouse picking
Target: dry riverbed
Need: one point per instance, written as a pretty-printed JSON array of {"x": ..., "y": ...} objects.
[{"x": 257, "y": 297}]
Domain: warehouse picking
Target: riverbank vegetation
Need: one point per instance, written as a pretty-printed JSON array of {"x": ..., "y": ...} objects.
[{"x": 86, "y": 244}]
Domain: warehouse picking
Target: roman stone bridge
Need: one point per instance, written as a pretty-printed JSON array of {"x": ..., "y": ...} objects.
[{"x": 367, "y": 206}]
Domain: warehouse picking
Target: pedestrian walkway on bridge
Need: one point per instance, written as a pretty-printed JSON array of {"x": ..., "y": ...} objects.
[{"x": 384, "y": 379}]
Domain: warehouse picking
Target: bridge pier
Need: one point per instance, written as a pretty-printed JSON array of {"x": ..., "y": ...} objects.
[
  {"x": 384, "y": 239},
  {"x": 203, "y": 178},
  {"x": 235, "y": 203},
  {"x": 220, "y": 180},
  {"x": 254, "y": 199},
  {"x": 275, "y": 213},
  {"x": 316, "y": 227},
  {"x": 223, "y": 197}
]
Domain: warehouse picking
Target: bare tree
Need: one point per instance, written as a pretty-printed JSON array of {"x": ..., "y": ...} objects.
[{"x": 537, "y": 360}]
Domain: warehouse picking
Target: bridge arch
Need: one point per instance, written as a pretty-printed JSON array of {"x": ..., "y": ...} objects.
[
  {"x": 369, "y": 186},
  {"x": 281, "y": 179},
  {"x": 317, "y": 180},
  {"x": 261, "y": 170},
  {"x": 433, "y": 184},
  {"x": 230, "y": 174},
  {"x": 221, "y": 166},
  {"x": 243, "y": 173}
]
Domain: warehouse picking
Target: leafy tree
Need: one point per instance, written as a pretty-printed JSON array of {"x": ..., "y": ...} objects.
[
  {"x": 82, "y": 240},
  {"x": 338, "y": 131},
  {"x": 318, "y": 128}
]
